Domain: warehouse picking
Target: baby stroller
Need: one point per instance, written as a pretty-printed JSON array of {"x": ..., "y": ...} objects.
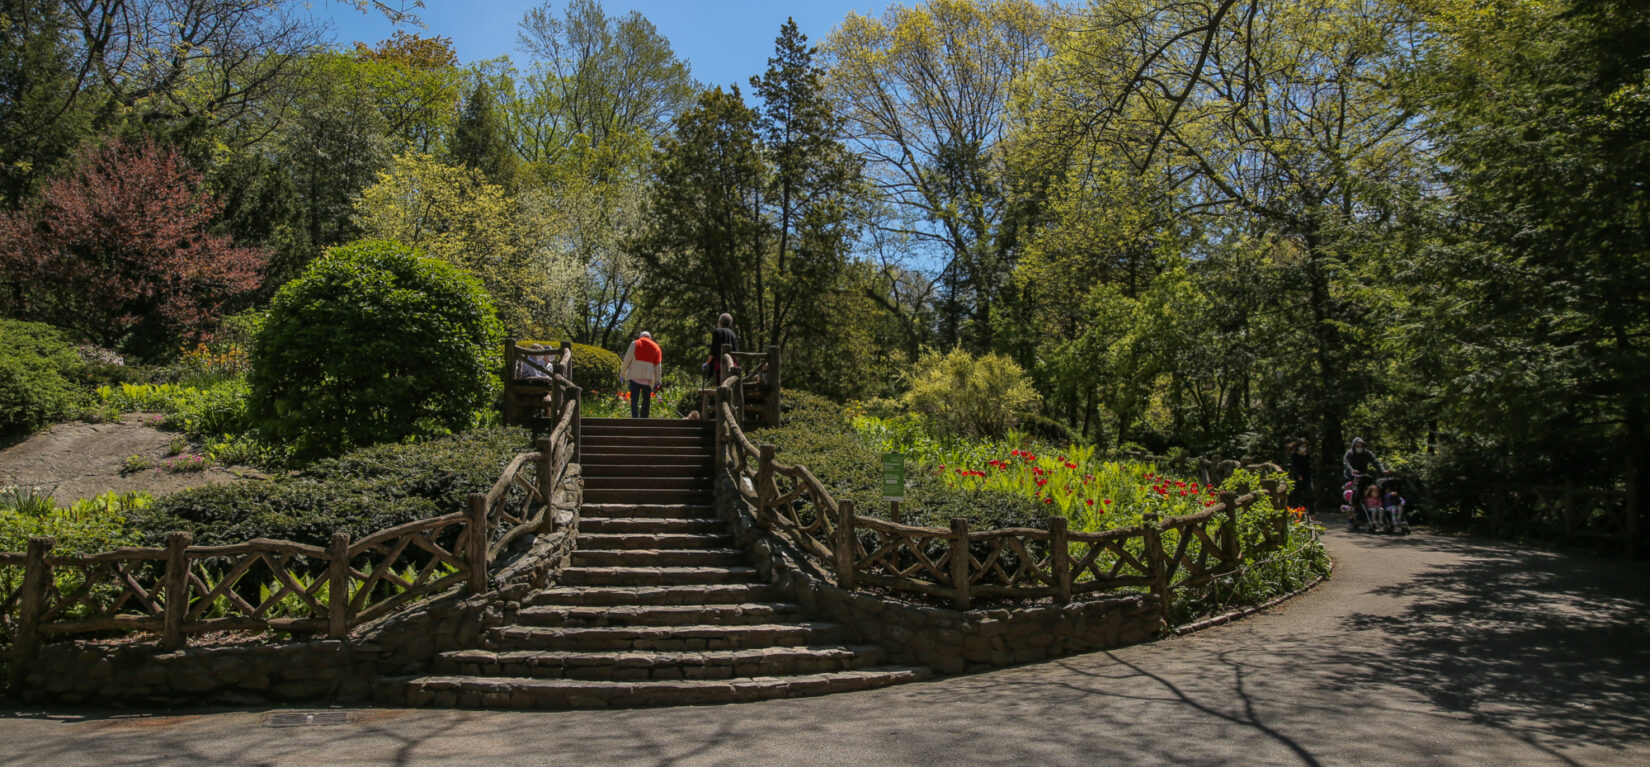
[{"x": 1388, "y": 517}]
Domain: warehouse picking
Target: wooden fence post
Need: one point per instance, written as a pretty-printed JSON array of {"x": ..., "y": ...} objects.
[
  {"x": 764, "y": 479},
  {"x": 773, "y": 386},
  {"x": 1156, "y": 564},
  {"x": 723, "y": 436},
  {"x": 547, "y": 483},
  {"x": 477, "y": 543},
  {"x": 845, "y": 543},
  {"x": 37, "y": 581},
  {"x": 1230, "y": 551},
  {"x": 960, "y": 559},
  {"x": 1059, "y": 558},
  {"x": 176, "y": 580},
  {"x": 338, "y": 587}
]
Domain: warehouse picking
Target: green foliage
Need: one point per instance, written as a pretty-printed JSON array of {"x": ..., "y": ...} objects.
[
  {"x": 360, "y": 492},
  {"x": 38, "y": 370},
  {"x": 595, "y": 369},
  {"x": 218, "y": 409},
  {"x": 86, "y": 526},
  {"x": 375, "y": 343},
  {"x": 970, "y": 395}
]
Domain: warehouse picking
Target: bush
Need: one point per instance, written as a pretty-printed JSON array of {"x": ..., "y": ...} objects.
[
  {"x": 818, "y": 434},
  {"x": 217, "y": 409},
  {"x": 595, "y": 369},
  {"x": 374, "y": 343},
  {"x": 359, "y": 493},
  {"x": 38, "y": 368},
  {"x": 967, "y": 395}
]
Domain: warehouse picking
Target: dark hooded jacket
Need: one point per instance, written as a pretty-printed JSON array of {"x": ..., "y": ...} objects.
[{"x": 1360, "y": 462}]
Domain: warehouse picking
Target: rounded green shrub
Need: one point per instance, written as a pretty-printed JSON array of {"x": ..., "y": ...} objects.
[
  {"x": 38, "y": 369},
  {"x": 373, "y": 343},
  {"x": 595, "y": 368}
]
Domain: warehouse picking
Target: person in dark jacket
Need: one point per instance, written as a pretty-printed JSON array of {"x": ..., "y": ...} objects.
[
  {"x": 1358, "y": 462},
  {"x": 1300, "y": 473},
  {"x": 723, "y": 334}
]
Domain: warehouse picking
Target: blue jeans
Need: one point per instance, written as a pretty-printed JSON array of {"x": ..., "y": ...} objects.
[{"x": 641, "y": 395}]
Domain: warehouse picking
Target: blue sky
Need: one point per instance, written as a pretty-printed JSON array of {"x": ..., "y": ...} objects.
[{"x": 724, "y": 41}]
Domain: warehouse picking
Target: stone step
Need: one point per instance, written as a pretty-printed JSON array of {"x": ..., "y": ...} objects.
[
  {"x": 552, "y": 616},
  {"x": 650, "y": 497},
  {"x": 707, "y": 526},
  {"x": 525, "y": 693},
  {"x": 674, "y": 468},
  {"x": 671, "y": 638},
  {"x": 615, "y": 666},
  {"x": 653, "y": 541},
  {"x": 648, "y": 481},
  {"x": 645, "y": 425},
  {"x": 610, "y": 456},
  {"x": 695, "y": 594},
  {"x": 655, "y": 510},
  {"x": 599, "y": 441},
  {"x": 724, "y": 557},
  {"x": 656, "y": 576}
]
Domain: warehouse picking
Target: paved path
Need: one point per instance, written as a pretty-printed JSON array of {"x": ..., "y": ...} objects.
[{"x": 1422, "y": 650}]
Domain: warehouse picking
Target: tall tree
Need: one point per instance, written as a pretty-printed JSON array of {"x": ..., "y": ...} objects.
[
  {"x": 41, "y": 77},
  {"x": 924, "y": 91},
  {"x": 479, "y": 142}
]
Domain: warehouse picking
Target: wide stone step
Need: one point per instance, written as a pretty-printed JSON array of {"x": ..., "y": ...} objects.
[
  {"x": 657, "y": 557},
  {"x": 672, "y": 468},
  {"x": 656, "y": 510},
  {"x": 668, "y": 638},
  {"x": 651, "y": 525},
  {"x": 648, "y": 496},
  {"x": 526, "y": 692},
  {"x": 628, "y": 425},
  {"x": 653, "y": 541},
  {"x": 611, "y": 456},
  {"x": 656, "y": 576},
  {"x": 599, "y": 441},
  {"x": 649, "y": 482},
  {"x": 658, "y": 615},
  {"x": 695, "y": 594},
  {"x": 614, "y": 666}
]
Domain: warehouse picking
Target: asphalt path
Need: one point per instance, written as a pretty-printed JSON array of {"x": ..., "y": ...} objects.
[{"x": 1420, "y": 650}]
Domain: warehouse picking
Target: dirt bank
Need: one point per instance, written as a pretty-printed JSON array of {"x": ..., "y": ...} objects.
[{"x": 80, "y": 460}]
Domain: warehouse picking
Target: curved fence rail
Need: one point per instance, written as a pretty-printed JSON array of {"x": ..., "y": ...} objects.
[
  {"x": 960, "y": 565},
  {"x": 282, "y": 586}
]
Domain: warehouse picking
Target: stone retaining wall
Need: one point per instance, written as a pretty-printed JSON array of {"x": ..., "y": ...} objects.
[
  {"x": 400, "y": 644},
  {"x": 948, "y": 641}
]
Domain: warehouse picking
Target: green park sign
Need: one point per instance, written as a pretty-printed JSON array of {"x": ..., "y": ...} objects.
[{"x": 893, "y": 477}]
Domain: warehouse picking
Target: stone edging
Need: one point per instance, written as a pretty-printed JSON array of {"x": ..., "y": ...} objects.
[{"x": 1247, "y": 611}]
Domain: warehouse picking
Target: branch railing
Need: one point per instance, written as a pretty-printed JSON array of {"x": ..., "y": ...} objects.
[
  {"x": 755, "y": 374},
  {"x": 960, "y": 565},
  {"x": 281, "y": 586}
]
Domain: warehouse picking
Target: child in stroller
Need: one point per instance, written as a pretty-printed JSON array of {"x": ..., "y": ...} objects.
[{"x": 1379, "y": 508}]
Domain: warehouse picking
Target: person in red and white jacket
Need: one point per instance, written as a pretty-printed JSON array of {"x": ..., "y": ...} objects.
[{"x": 642, "y": 370}]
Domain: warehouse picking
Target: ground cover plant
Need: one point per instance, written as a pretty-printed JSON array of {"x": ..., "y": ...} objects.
[{"x": 38, "y": 376}]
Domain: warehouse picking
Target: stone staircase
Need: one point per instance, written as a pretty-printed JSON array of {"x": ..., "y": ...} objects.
[{"x": 657, "y": 607}]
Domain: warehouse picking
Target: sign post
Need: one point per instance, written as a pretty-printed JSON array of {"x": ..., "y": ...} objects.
[{"x": 893, "y": 481}]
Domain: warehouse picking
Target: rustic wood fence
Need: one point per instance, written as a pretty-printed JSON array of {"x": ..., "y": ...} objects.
[
  {"x": 960, "y": 565},
  {"x": 281, "y": 586}
]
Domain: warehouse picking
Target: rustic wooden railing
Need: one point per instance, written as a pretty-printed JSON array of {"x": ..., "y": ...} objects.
[
  {"x": 755, "y": 399},
  {"x": 281, "y": 586},
  {"x": 536, "y": 382},
  {"x": 960, "y": 565}
]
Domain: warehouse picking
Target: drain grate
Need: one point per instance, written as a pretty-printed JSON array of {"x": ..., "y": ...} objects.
[{"x": 305, "y": 718}]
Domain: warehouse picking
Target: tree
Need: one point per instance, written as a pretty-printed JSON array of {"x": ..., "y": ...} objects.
[
  {"x": 40, "y": 119},
  {"x": 122, "y": 253},
  {"x": 1543, "y": 114},
  {"x": 453, "y": 214},
  {"x": 415, "y": 82},
  {"x": 479, "y": 142},
  {"x": 924, "y": 91},
  {"x": 609, "y": 77}
]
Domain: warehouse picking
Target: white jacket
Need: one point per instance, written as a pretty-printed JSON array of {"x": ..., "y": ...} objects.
[{"x": 640, "y": 371}]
